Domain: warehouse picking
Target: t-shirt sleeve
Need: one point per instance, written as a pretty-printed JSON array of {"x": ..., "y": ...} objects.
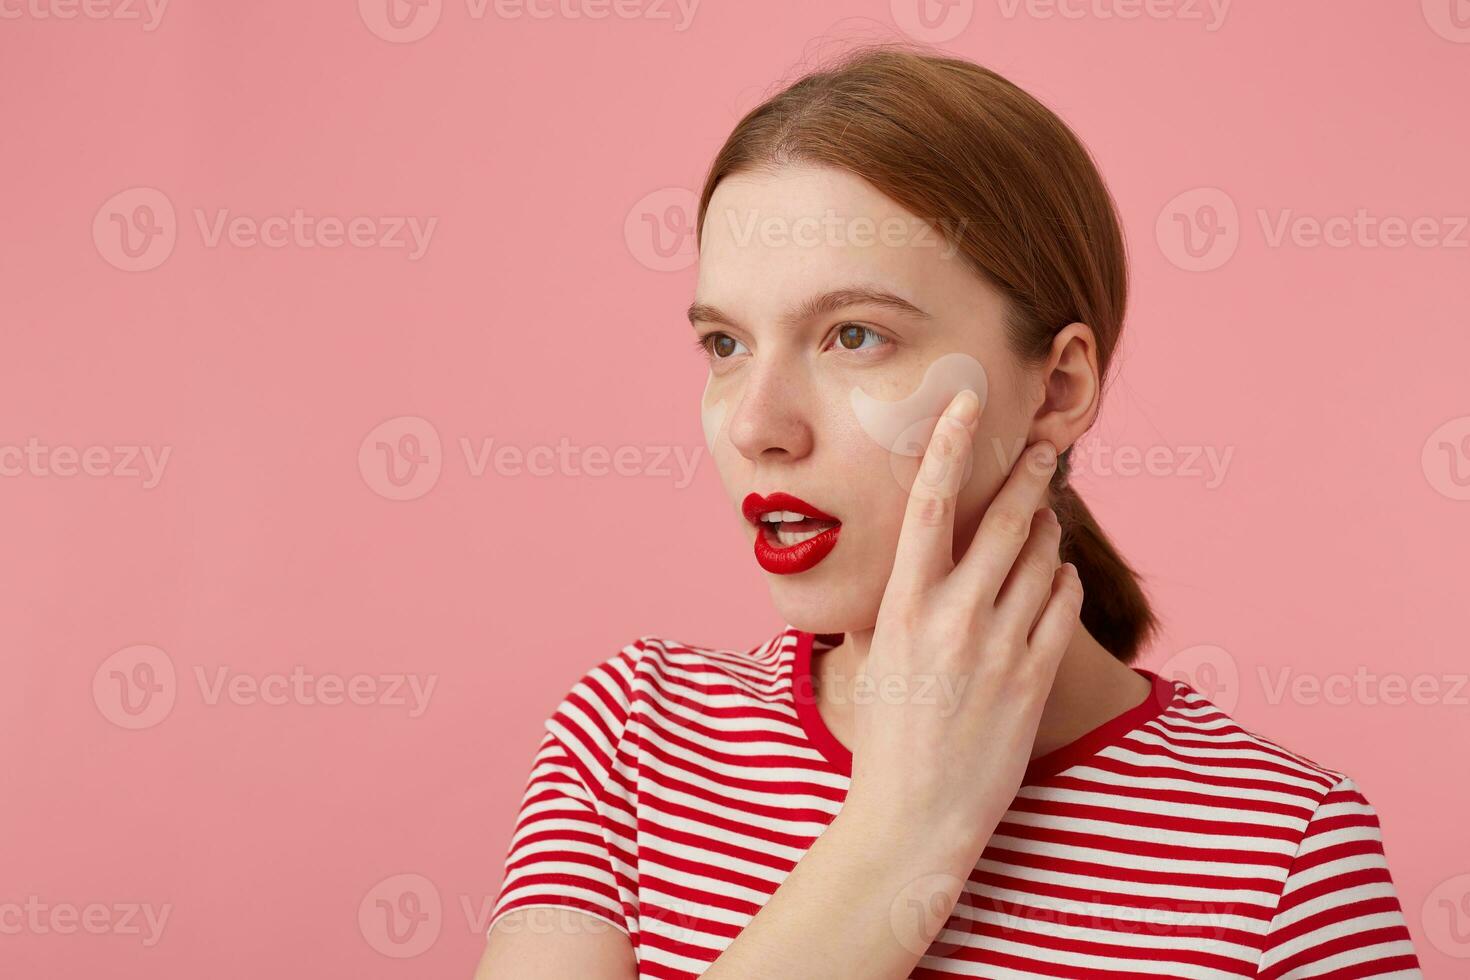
[
  {"x": 1338, "y": 914},
  {"x": 565, "y": 850}
]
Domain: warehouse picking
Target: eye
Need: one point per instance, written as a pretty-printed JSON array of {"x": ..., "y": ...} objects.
[
  {"x": 719, "y": 346},
  {"x": 852, "y": 336}
]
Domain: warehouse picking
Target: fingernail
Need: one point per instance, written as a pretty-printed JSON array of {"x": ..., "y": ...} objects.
[
  {"x": 1045, "y": 454},
  {"x": 966, "y": 407}
]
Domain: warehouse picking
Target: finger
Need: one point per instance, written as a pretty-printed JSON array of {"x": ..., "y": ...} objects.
[
  {"x": 1059, "y": 619},
  {"x": 1006, "y": 525},
  {"x": 1024, "y": 595},
  {"x": 926, "y": 540}
]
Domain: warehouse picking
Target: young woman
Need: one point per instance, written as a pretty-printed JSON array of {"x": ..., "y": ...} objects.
[{"x": 944, "y": 766}]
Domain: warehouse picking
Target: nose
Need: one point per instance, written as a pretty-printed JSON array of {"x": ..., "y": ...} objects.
[{"x": 772, "y": 419}]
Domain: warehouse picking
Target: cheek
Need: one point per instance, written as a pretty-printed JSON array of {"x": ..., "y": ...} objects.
[
  {"x": 712, "y": 414},
  {"x": 902, "y": 428},
  {"x": 894, "y": 424}
]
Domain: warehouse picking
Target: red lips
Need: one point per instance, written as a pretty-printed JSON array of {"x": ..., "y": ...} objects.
[{"x": 788, "y": 559}]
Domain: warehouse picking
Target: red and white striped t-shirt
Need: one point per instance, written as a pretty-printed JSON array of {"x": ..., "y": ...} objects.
[{"x": 677, "y": 786}]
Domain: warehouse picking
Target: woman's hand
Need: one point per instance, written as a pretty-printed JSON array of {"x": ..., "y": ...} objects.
[{"x": 962, "y": 655}]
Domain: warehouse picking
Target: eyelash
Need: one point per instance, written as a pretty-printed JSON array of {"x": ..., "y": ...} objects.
[{"x": 704, "y": 345}]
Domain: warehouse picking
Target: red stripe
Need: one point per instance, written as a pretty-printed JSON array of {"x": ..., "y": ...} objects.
[{"x": 631, "y": 767}]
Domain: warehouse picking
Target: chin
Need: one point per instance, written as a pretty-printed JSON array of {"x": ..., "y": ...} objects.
[{"x": 830, "y": 603}]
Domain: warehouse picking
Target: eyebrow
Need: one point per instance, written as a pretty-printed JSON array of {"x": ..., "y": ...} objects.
[{"x": 829, "y": 302}]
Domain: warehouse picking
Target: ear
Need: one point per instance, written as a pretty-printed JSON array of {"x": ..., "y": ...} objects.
[{"x": 1070, "y": 388}]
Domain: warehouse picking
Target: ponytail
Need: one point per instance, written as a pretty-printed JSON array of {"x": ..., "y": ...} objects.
[{"x": 1114, "y": 608}]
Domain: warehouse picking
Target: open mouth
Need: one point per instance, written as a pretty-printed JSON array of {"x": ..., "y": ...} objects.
[
  {"x": 791, "y": 535},
  {"x": 785, "y": 528}
]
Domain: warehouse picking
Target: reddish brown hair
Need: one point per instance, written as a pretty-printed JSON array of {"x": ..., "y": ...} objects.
[{"x": 1015, "y": 191}]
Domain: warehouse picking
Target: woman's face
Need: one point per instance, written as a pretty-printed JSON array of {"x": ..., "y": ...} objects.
[{"x": 823, "y": 305}]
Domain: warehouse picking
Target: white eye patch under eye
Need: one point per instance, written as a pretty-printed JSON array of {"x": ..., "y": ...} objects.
[
  {"x": 712, "y": 417},
  {"x": 903, "y": 427}
]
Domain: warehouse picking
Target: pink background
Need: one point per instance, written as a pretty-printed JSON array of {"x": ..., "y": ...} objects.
[{"x": 543, "y": 310}]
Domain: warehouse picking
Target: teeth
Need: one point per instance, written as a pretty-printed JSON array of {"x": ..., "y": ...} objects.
[
  {"x": 776, "y": 521},
  {"x": 788, "y": 538}
]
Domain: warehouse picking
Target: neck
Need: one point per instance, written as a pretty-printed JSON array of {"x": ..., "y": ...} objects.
[{"x": 1091, "y": 687}]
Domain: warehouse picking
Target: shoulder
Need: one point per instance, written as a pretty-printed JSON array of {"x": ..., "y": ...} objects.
[
  {"x": 659, "y": 668},
  {"x": 1198, "y": 738},
  {"x": 1308, "y": 829}
]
